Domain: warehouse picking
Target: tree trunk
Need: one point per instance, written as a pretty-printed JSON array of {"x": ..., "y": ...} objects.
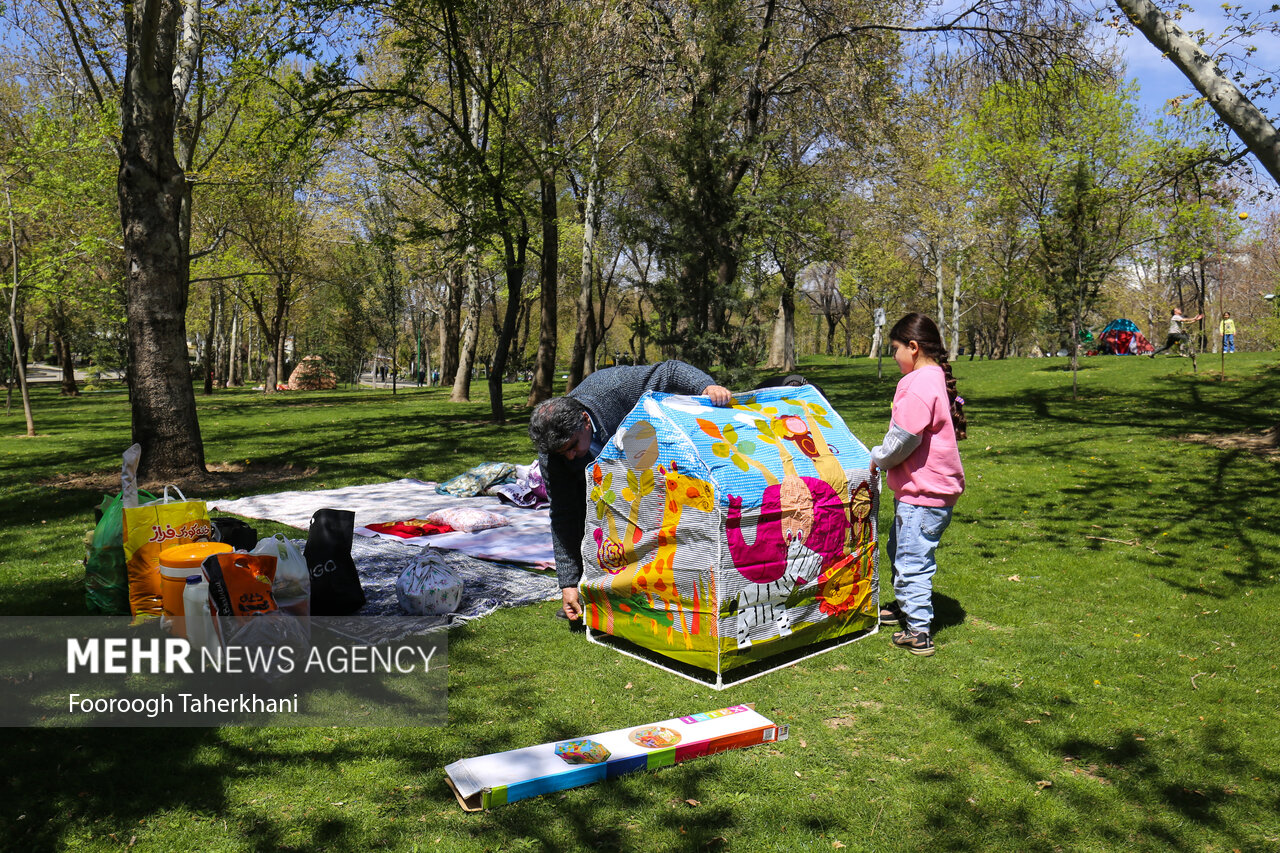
[
  {"x": 209, "y": 341},
  {"x": 782, "y": 348},
  {"x": 940, "y": 281},
  {"x": 151, "y": 187},
  {"x": 68, "y": 364},
  {"x": 19, "y": 358},
  {"x": 955, "y": 314},
  {"x": 470, "y": 333},
  {"x": 514, "y": 247},
  {"x": 544, "y": 367},
  {"x": 235, "y": 370},
  {"x": 1002, "y": 329},
  {"x": 585, "y": 341},
  {"x": 451, "y": 326}
]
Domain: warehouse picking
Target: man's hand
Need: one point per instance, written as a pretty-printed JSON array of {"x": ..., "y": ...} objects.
[
  {"x": 572, "y": 605},
  {"x": 720, "y": 396}
]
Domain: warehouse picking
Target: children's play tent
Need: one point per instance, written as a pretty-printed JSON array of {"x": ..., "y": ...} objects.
[
  {"x": 1122, "y": 337},
  {"x": 718, "y": 537}
]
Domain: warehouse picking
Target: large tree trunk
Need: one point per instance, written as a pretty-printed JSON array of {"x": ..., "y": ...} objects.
[
  {"x": 544, "y": 368},
  {"x": 151, "y": 188},
  {"x": 1235, "y": 109}
]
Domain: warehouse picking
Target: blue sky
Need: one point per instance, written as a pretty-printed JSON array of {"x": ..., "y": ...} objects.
[{"x": 1160, "y": 80}]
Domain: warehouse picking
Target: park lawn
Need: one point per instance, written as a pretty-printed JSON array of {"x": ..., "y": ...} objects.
[{"x": 1103, "y": 679}]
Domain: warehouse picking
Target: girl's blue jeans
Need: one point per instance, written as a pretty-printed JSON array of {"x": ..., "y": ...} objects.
[{"x": 913, "y": 541}]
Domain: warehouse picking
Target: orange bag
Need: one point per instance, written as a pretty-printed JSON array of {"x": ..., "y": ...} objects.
[
  {"x": 148, "y": 530},
  {"x": 240, "y": 586}
]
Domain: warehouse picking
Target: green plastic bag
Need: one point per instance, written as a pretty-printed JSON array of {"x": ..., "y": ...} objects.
[{"x": 106, "y": 576}]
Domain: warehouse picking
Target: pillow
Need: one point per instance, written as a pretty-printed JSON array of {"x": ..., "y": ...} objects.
[{"x": 468, "y": 519}]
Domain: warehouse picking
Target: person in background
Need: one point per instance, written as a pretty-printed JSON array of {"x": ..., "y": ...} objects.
[
  {"x": 1227, "y": 328},
  {"x": 922, "y": 459},
  {"x": 570, "y": 431},
  {"x": 1176, "y": 334}
]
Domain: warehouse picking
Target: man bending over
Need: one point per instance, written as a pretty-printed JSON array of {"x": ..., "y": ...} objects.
[{"x": 569, "y": 432}]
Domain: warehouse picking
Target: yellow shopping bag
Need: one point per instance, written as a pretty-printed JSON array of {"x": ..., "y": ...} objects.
[{"x": 148, "y": 530}]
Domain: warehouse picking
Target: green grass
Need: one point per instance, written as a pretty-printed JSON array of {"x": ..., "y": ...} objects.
[{"x": 1103, "y": 679}]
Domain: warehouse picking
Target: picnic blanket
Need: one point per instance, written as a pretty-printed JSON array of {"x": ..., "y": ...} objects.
[
  {"x": 527, "y": 540},
  {"x": 486, "y": 587}
]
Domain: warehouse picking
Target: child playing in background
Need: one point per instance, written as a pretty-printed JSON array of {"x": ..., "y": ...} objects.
[{"x": 919, "y": 453}]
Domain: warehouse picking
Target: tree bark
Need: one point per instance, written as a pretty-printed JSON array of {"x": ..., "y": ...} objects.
[
  {"x": 19, "y": 358},
  {"x": 1248, "y": 123},
  {"x": 151, "y": 186},
  {"x": 544, "y": 367},
  {"x": 470, "y": 333},
  {"x": 209, "y": 349},
  {"x": 514, "y": 246},
  {"x": 451, "y": 326},
  {"x": 956, "y": 282},
  {"x": 68, "y": 364},
  {"x": 584, "y": 341},
  {"x": 782, "y": 348}
]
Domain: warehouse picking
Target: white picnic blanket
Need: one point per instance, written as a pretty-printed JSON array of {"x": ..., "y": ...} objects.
[{"x": 526, "y": 540}]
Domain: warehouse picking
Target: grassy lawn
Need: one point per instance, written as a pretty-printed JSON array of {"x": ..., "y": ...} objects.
[{"x": 1103, "y": 679}]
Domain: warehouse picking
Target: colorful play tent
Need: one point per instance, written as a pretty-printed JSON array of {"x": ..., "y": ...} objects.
[
  {"x": 718, "y": 537},
  {"x": 1122, "y": 337}
]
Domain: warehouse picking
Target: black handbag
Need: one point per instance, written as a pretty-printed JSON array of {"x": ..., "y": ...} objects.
[
  {"x": 238, "y": 534},
  {"x": 335, "y": 584}
]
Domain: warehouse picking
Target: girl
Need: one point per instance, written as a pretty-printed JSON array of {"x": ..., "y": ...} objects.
[{"x": 920, "y": 454}]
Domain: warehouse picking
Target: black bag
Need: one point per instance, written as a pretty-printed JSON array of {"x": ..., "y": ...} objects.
[
  {"x": 335, "y": 585},
  {"x": 238, "y": 534}
]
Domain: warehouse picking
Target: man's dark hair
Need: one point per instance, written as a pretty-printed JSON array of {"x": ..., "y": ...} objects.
[{"x": 554, "y": 423}]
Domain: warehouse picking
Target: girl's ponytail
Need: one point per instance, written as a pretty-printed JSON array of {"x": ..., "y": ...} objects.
[{"x": 958, "y": 420}]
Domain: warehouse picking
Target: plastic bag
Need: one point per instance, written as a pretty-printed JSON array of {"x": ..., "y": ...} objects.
[
  {"x": 106, "y": 578},
  {"x": 272, "y": 631},
  {"x": 106, "y": 574},
  {"x": 292, "y": 580},
  {"x": 239, "y": 588},
  {"x": 149, "y": 529},
  {"x": 428, "y": 586}
]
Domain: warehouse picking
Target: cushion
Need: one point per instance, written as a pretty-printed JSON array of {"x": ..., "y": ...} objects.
[{"x": 468, "y": 519}]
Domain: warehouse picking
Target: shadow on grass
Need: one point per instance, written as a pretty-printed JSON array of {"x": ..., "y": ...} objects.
[{"x": 1087, "y": 782}]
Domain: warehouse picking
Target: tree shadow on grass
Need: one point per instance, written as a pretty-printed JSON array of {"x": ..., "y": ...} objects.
[{"x": 1131, "y": 789}]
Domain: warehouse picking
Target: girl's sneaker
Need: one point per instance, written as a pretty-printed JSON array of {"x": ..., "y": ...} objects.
[
  {"x": 916, "y": 642},
  {"x": 891, "y": 614}
]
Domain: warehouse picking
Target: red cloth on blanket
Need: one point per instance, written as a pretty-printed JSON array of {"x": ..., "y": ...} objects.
[{"x": 409, "y": 528}]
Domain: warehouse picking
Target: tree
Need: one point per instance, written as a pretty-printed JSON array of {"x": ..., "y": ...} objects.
[{"x": 1250, "y": 125}]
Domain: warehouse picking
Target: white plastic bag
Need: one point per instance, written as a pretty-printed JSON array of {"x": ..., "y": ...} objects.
[
  {"x": 292, "y": 580},
  {"x": 428, "y": 586}
]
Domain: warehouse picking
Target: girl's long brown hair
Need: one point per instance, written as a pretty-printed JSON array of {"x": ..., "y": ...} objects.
[{"x": 922, "y": 330}]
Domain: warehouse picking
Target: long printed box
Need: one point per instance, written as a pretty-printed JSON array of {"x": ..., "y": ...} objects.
[{"x": 504, "y": 777}]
